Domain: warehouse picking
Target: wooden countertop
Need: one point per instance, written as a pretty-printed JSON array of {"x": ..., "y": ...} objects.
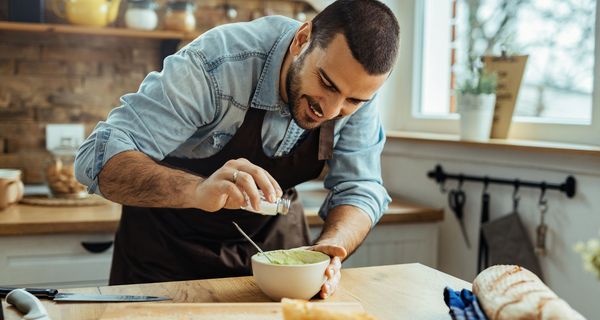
[
  {"x": 24, "y": 219},
  {"x": 407, "y": 291}
]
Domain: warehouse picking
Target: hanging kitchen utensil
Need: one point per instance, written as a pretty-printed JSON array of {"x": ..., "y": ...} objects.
[
  {"x": 443, "y": 186},
  {"x": 456, "y": 201},
  {"x": 483, "y": 257},
  {"x": 542, "y": 229},
  {"x": 508, "y": 242}
]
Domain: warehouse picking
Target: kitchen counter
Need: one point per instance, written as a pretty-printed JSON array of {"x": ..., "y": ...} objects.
[
  {"x": 406, "y": 291},
  {"x": 24, "y": 219}
]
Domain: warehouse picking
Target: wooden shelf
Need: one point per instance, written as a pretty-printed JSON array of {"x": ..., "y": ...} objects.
[
  {"x": 100, "y": 31},
  {"x": 514, "y": 144}
]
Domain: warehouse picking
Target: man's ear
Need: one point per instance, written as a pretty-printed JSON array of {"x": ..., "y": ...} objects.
[{"x": 301, "y": 38}]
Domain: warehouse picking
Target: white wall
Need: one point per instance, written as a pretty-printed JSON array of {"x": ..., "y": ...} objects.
[{"x": 405, "y": 165}]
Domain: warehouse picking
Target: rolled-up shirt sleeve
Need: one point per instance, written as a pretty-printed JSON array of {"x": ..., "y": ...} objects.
[
  {"x": 354, "y": 176},
  {"x": 167, "y": 109}
]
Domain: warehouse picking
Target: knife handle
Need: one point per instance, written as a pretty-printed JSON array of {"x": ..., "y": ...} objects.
[
  {"x": 28, "y": 304},
  {"x": 40, "y": 293}
]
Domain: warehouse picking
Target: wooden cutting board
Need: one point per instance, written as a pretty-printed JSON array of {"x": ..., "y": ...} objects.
[{"x": 212, "y": 311}]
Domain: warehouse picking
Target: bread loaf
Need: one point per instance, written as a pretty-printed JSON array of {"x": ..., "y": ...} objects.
[
  {"x": 513, "y": 292},
  {"x": 303, "y": 310}
]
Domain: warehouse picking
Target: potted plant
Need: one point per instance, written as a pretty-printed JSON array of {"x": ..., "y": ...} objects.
[
  {"x": 590, "y": 254},
  {"x": 475, "y": 101}
]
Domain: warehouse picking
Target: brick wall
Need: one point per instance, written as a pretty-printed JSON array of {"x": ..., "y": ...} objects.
[
  {"x": 78, "y": 79},
  {"x": 61, "y": 79}
]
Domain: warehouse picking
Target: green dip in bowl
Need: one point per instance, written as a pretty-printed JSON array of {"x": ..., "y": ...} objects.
[{"x": 292, "y": 257}]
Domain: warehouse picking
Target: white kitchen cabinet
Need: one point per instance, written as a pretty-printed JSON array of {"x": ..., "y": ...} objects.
[
  {"x": 55, "y": 261},
  {"x": 395, "y": 244}
]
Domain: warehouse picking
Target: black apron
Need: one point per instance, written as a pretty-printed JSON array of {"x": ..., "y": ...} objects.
[{"x": 165, "y": 244}]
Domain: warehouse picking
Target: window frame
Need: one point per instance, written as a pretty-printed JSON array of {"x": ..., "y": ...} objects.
[{"x": 401, "y": 95}]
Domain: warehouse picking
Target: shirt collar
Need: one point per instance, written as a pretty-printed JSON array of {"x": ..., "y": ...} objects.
[{"x": 266, "y": 95}]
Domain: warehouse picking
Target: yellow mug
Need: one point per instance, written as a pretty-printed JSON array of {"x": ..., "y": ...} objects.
[{"x": 97, "y": 13}]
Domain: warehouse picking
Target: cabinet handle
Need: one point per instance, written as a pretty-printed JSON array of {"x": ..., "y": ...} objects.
[{"x": 96, "y": 247}]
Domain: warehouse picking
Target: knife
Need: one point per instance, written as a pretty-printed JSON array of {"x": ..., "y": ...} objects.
[{"x": 54, "y": 295}]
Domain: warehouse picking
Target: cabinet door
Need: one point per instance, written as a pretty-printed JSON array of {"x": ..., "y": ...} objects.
[
  {"x": 55, "y": 260},
  {"x": 395, "y": 244}
]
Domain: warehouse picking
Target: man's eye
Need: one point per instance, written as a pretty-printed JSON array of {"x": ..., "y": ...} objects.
[
  {"x": 328, "y": 87},
  {"x": 354, "y": 102}
]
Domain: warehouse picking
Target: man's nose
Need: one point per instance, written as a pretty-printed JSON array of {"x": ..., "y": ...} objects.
[{"x": 332, "y": 106}]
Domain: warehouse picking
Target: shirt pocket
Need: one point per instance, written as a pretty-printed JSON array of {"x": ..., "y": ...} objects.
[
  {"x": 211, "y": 145},
  {"x": 219, "y": 139}
]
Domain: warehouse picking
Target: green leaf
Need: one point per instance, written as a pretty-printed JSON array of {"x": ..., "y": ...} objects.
[{"x": 479, "y": 82}]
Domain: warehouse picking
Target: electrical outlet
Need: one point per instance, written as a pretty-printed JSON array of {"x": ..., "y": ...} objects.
[{"x": 55, "y": 133}]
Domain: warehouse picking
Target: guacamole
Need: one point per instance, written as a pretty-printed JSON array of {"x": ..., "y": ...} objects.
[{"x": 292, "y": 257}]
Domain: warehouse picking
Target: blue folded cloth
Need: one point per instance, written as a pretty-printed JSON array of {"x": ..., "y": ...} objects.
[{"x": 463, "y": 305}]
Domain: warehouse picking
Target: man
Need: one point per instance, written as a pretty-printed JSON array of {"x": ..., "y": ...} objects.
[{"x": 247, "y": 107}]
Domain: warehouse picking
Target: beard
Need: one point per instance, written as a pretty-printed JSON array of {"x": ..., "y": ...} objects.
[{"x": 293, "y": 85}]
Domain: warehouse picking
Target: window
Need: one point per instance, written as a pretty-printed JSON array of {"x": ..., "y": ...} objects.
[{"x": 559, "y": 96}]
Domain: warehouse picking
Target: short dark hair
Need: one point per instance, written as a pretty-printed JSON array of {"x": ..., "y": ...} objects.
[{"x": 370, "y": 28}]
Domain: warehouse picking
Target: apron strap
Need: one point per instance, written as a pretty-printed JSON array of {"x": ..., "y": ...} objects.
[{"x": 326, "y": 140}]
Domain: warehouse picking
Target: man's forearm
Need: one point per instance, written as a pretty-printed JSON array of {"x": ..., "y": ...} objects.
[
  {"x": 345, "y": 226},
  {"x": 133, "y": 178}
]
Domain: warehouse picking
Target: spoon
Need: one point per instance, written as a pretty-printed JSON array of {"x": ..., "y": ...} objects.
[{"x": 254, "y": 244}]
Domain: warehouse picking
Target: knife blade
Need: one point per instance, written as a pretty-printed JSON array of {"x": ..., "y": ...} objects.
[{"x": 54, "y": 295}]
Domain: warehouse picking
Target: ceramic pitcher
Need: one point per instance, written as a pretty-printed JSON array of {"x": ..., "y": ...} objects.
[{"x": 98, "y": 13}]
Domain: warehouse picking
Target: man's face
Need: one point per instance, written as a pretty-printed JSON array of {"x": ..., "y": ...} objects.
[{"x": 324, "y": 84}]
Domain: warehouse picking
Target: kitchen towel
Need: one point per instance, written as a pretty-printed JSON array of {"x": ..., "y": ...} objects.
[
  {"x": 463, "y": 305},
  {"x": 508, "y": 243}
]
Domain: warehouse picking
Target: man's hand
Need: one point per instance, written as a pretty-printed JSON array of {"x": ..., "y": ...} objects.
[
  {"x": 344, "y": 230},
  {"x": 236, "y": 184},
  {"x": 333, "y": 271},
  {"x": 132, "y": 178}
]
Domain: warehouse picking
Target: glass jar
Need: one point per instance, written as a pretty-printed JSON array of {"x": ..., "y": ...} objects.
[
  {"x": 141, "y": 15},
  {"x": 60, "y": 172},
  {"x": 180, "y": 16}
]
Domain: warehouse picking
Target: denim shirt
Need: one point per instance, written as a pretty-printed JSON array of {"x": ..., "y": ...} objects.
[{"x": 195, "y": 105}]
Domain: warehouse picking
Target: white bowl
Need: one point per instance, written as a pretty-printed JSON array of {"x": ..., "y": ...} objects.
[{"x": 295, "y": 281}]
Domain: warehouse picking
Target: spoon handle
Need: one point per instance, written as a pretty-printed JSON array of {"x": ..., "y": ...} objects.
[{"x": 248, "y": 238}]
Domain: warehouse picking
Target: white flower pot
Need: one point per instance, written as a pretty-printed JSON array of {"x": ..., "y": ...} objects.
[{"x": 476, "y": 115}]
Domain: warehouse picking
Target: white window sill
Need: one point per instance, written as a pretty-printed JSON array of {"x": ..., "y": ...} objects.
[{"x": 513, "y": 144}]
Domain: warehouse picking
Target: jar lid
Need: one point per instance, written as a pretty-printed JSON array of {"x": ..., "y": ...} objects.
[
  {"x": 142, "y": 4},
  {"x": 180, "y": 5}
]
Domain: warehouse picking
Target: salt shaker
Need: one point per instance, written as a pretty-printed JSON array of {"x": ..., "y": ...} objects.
[{"x": 280, "y": 206}]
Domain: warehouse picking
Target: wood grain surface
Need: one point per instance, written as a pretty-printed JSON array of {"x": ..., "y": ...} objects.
[
  {"x": 407, "y": 291},
  {"x": 212, "y": 311}
]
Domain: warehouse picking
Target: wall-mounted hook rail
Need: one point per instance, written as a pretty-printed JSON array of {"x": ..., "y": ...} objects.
[{"x": 568, "y": 187}]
